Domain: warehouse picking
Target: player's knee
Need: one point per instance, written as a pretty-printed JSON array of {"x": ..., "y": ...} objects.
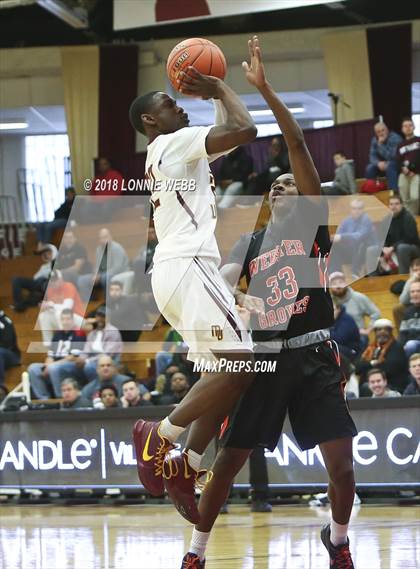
[{"x": 342, "y": 472}]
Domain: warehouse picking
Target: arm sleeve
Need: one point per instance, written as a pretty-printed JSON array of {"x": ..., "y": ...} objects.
[
  {"x": 372, "y": 310},
  {"x": 389, "y": 151},
  {"x": 411, "y": 233},
  {"x": 373, "y": 154},
  {"x": 349, "y": 177},
  {"x": 220, "y": 114},
  {"x": 405, "y": 295}
]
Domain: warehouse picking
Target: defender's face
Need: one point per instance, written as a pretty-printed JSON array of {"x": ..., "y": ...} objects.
[
  {"x": 282, "y": 190},
  {"x": 167, "y": 115}
]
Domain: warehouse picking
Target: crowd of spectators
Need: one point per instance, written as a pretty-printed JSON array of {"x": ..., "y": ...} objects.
[{"x": 83, "y": 366}]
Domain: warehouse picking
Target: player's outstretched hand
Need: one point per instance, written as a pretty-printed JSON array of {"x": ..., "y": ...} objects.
[
  {"x": 251, "y": 303},
  {"x": 254, "y": 70},
  {"x": 194, "y": 83}
]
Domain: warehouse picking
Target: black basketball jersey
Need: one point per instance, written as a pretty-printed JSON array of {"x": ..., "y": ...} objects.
[{"x": 286, "y": 266}]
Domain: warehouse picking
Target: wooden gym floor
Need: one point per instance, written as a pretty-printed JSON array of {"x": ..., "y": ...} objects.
[{"x": 156, "y": 537}]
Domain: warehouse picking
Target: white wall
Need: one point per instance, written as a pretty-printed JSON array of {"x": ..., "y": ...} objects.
[{"x": 12, "y": 157}]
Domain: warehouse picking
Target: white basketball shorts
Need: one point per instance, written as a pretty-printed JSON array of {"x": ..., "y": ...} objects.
[{"x": 194, "y": 299}]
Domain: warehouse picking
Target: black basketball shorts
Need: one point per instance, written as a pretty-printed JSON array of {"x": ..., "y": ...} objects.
[{"x": 308, "y": 385}]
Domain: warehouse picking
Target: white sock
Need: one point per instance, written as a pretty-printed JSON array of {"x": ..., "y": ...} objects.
[
  {"x": 170, "y": 431},
  {"x": 199, "y": 542},
  {"x": 338, "y": 533},
  {"x": 194, "y": 459}
]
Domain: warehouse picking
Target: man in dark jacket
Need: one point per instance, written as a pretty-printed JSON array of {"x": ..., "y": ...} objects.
[
  {"x": 402, "y": 238},
  {"x": 413, "y": 388},
  {"x": 386, "y": 354},
  {"x": 410, "y": 324},
  {"x": 346, "y": 333},
  {"x": 382, "y": 155},
  {"x": 72, "y": 398},
  {"x": 45, "y": 231},
  {"x": 9, "y": 351}
]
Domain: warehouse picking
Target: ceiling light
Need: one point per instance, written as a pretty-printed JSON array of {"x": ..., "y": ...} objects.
[
  {"x": 13, "y": 125},
  {"x": 269, "y": 113}
]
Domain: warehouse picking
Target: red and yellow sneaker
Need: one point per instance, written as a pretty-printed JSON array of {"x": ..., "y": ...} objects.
[
  {"x": 151, "y": 448},
  {"x": 340, "y": 556},
  {"x": 192, "y": 561},
  {"x": 180, "y": 480}
]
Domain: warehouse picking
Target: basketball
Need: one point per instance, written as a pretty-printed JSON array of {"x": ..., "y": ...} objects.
[{"x": 203, "y": 54}]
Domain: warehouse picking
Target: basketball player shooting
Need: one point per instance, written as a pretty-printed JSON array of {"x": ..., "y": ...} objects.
[
  {"x": 188, "y": 288},
  {"x": 307, "y": 382}
]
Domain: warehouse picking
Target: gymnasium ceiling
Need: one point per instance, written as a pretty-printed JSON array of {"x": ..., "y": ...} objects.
[{"x": 30, "y": 24}]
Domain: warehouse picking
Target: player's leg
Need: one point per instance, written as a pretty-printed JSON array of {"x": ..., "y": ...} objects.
[
  {"x": 228, "y": 463},
  {"x": 338, "y": 458},
  {"x": 194, "y": 299}
]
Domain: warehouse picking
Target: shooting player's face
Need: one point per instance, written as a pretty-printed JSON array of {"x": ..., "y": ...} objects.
[
  {"x": 282, "y": 190},
  {"x": 166, "y": 115}
]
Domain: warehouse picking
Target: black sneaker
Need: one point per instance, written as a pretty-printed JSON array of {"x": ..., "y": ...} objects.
[
  {"x": 340, "y": 556},
  {"x": 261, "y": 506},
  {"x": 192, "y": 561}
]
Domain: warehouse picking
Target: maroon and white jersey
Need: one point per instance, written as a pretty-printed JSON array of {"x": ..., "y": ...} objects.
[{"x": 183, "y": 195}]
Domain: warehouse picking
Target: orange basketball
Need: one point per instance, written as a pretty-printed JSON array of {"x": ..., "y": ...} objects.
[{"x": 202, "y": 54}]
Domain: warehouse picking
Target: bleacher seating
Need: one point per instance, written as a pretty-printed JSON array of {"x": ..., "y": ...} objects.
[{"x": 231, "y": 224}]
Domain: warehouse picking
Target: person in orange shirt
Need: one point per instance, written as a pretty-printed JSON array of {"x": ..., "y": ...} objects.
[{"x": 59, "y": 295}]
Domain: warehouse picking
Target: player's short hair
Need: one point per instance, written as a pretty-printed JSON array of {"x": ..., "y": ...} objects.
[
  {"x": 139, "y": 106},
  {"x": 376, "y": 370}
]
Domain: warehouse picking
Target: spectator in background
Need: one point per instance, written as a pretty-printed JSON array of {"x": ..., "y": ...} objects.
[
  {"x": 36, "y": 285},
  {"x": 233, "y": 177},
  {"x": 410, "y": 326},
  {"x": 399, "y": 310},
  {"x": 413, "y": 388},
  {"x": 72, "y": 398},
  {"x": 346, "y": 333},
  {"x": 383, "y": 155},
  {"x": 106, "y": 373},
  {"x": 106, "y": 186},
  {"x": 45, "y": 231},
  {"x": 72, "y": 258},
  {"x": 104, "y": 338},
  {"x": 45, "y": 378},
  {"x": 277, "y": 163},
  {"x": 386, "y": 354},
  {"x": 378, "y": 384},
  {"x": 59, "y": 295},
  {"x": 9, "y": 350},
  {"x": 111, "y": 259},
  {"x": 408, "y": 156},
  {"x": 109, "y": 396},
  {"x": 125, "y": 312},
  {"x": 171, "y": 342},
  {"x": 354, "y": 234},
  {"x": 402, "y": 243},
  {"x": 344, "y": 181},
  {"x": 132, "y": 394},
  {"x": 358, "y": 305},
  {"x": 179, "y": 389}
]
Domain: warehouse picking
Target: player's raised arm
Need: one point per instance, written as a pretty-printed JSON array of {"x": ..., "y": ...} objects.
[
  {"x": 238, "y": 128},
  {"x": 304, "y": 171}
]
